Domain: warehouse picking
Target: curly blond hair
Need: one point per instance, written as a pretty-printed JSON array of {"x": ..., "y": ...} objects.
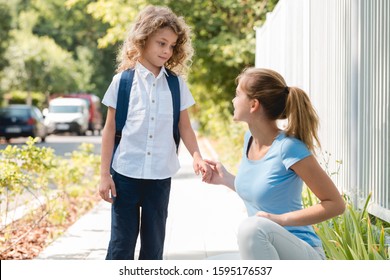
[{"x": 149, "y": 20}]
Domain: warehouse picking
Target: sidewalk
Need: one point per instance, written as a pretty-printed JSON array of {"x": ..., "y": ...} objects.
[{"x": 202, "y": 222}]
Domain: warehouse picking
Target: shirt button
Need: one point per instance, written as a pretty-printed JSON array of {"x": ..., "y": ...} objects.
[
  {"x": 148, "y": 153},
  {"x": 150, "y": 136},
  {"x": 153, "y": 101},
  {"x": 154, "y": 84},
  {"x": 152, "y": 118}
]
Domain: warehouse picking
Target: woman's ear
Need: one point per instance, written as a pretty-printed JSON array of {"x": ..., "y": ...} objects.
[{"x": 255, "y": 105}]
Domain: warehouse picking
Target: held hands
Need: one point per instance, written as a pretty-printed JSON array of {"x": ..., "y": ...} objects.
[
  {"x": 218, "y": 173},
  {"x": 200, "y": 166},
  {"x": 107, "y": 188}
]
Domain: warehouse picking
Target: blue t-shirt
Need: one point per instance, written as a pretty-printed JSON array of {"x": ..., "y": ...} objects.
[{"x": 270, "y": 185}]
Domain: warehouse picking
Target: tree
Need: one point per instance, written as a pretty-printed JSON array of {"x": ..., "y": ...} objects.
[
  {"x": 5, "y": 27},
  {"x": 37, "y": 63},
  {"x": 55, "y": 43},
  {"x": 70, "y": 25}
]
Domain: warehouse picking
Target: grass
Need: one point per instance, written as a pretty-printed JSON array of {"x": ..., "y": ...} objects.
[{"x": 354, "y": 235}]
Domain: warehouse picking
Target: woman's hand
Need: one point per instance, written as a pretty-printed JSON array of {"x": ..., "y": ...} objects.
[
  {"x": 273, "y": 217},
  {"x": 218, "y": 172}
]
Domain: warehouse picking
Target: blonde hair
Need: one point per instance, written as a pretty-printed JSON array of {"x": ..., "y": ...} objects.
[
  {"x": 149, "y": 20},
  {"x": 281, "y": 102}
]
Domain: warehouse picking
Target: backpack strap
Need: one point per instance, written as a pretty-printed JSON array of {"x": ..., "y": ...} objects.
[
  {"x": 174, "y": 87},
  {"x": 122, "y": 103}
]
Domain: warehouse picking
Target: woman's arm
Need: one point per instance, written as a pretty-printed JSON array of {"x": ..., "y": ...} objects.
[
  {"x": 107, "y": 185},
  {"x": 331, "y": 203}
]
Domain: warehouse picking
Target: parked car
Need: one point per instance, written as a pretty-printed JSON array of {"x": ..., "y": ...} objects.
[
  {"x": 67, "y": 115},
  {"x": 22, "y": 121},
  {"x": 95, "y": 121}
]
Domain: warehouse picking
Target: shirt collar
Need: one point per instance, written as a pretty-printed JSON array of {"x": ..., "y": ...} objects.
[{"x": 145, "y": 72}]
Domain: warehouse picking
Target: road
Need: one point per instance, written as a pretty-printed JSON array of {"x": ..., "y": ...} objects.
[{"x": 62, "y": 144}]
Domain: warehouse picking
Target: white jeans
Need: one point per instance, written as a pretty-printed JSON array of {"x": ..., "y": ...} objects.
[{"x": 262, "y": 239}]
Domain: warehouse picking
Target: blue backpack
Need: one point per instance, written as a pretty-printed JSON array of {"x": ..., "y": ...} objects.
[{"x": 123, "y": 100}]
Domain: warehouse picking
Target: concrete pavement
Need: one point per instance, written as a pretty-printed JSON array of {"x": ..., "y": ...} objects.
[{"x": 202, "y": 221}]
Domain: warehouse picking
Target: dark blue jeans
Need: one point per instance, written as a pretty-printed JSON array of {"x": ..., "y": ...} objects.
[{"x": 140, "y": 207}]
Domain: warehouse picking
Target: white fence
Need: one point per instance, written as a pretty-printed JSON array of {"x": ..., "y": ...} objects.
[{"x": 338, "y": 51}]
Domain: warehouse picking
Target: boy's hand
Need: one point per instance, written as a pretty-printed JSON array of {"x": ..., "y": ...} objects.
[
  {"x": 107, "y": 188},
  {"x": 206, "y": 171},
  {"x": 200, "y": 166}
]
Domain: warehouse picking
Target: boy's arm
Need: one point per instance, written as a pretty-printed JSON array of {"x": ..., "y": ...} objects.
[
  {"x": 187, "y": 134},
  {"x": 106, "y": 183}
]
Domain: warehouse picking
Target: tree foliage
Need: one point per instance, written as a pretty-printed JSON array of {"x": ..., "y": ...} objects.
[
  {"x": 223, "y": 37},
  {"x": 224, "y": 40},
  {"x": 37, "y": 63},
  {"x": 74, "y": 29},
  {"x": 53, "y": 48},
  {"x": 71, "y": 45},
  {"x": 5, "y": 27}
]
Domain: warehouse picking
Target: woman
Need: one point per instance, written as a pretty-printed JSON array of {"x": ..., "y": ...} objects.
[{"x": 274, "y": 165}]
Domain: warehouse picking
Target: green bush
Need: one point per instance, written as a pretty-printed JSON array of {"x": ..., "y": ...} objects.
[
  {"x": 19, "y": 97},
  {"x": 30, "y": 173},
  {"x": 354, "y": 235},
  {"x": 24, "y": 168}
]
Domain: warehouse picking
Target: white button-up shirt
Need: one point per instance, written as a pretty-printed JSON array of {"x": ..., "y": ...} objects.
[{"x": 147, "y": 149}]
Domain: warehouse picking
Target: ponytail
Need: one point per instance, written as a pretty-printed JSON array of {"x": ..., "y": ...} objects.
[{"x": 303, "y": 120}]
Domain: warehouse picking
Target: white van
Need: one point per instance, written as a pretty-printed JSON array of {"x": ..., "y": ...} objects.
[{"x": 67, "y": 115}]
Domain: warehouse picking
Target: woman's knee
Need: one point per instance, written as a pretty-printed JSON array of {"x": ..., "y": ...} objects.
[{"x": 252, "y": 228}]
